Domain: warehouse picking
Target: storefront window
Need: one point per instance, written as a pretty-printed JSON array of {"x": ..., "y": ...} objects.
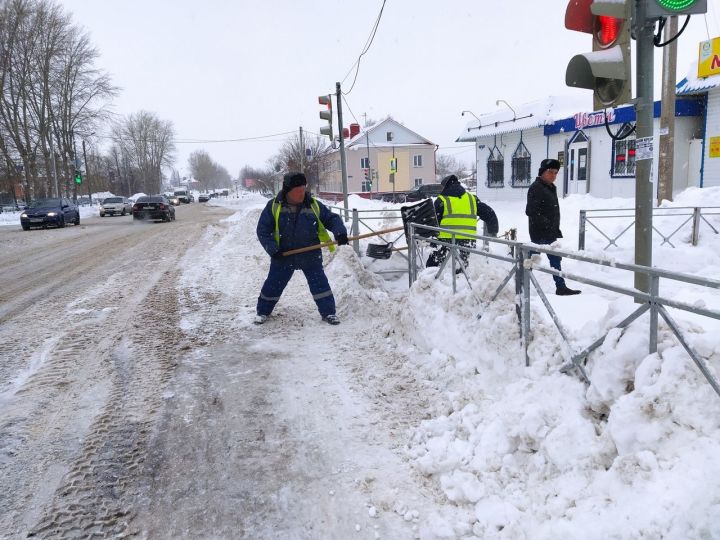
[
  {"x": 521, "y": 176},
  {"x": 624, "y": 157},
  {"x": 495, "y": 169}
]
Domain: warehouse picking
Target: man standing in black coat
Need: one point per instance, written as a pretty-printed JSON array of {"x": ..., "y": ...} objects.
[{"x": 543, "y": 212}]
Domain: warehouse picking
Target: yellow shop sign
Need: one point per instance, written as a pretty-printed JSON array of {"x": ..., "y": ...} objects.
[{"x": 709, "y": 58}]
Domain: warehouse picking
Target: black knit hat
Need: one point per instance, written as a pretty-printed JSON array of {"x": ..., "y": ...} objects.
[
  {"x": 546, "y": 164},
  {"x": 449, "y": 180},
  {"x": 293, "y": 180}
]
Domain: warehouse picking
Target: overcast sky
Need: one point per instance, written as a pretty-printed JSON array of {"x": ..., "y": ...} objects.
[{"x": 239, "y": 69}]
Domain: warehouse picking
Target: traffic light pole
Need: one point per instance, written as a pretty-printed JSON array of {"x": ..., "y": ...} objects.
[
  {"x": 343, "y": 163},
  {"x": 644, "y": 31},
  {"x": 87, "y": 174}
]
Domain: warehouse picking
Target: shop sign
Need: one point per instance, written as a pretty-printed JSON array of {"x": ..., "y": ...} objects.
[
  {"x": 593, "y": 119},
  {"x": 709, "y": 58}
]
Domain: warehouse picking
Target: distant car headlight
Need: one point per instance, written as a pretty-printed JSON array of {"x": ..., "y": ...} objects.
[
  {"x": 52, "y": 214},
  {"x": 23, "y": 215}
]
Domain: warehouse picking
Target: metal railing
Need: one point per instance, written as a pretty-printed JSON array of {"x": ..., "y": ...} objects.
[
  {"x": 524, "y": 263},
  {"x": 696, "y": 214}
]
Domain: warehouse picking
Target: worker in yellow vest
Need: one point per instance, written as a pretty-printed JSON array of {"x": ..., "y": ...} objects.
[
  {"x": 295, "y": 219},
  {"x": 458, "y": 211}
]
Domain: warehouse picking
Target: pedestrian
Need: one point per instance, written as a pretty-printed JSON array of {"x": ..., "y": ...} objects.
[
  {"x": 294, "y": 219},
  {"x": 458, "y": 210},
  {"x": 543, "y": 212}
]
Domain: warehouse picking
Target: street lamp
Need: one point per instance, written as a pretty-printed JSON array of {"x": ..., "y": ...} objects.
[
  {"x": 499, "y": 101},
  {"x": 476, "y": 118}
]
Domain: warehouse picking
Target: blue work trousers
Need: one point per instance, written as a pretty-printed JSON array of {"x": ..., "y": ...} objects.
[
  {"x": 278, "y": 278},
  {"x": 554, "y": 263}
]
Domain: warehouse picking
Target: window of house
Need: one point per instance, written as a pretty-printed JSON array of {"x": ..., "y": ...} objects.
[
  {"x": 623, "y": 161},
  {"x": 418, "y": 182},
  {"x": 521, "y": 175},
  {"x": 389, "y": 135},
  {"x": 417, "y": 160},
  {"x": 495, "y": 168},
  {"x": 365, "y": 163}
]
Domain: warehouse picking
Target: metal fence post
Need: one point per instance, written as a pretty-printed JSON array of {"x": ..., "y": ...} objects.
[
  {"x": 581, "y": 239},
  {"x": 412, "y": 254},
  {"x": 454, "y": 263},
  {"x": 527, "y": 268},
  {"x": 654, "y": 292},
  {"x": 356, "y": 231},
  {"x": 696, "y": 226}
]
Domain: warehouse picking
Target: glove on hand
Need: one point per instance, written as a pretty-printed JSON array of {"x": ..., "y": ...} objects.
[
  {"x": 342, "y": 239},
  {"x": 277, "y": 255}
]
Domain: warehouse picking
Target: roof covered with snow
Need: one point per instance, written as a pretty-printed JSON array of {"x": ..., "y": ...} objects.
[
  {"x": 692, "y": 84},
  {"x": 526, "y": 116}
]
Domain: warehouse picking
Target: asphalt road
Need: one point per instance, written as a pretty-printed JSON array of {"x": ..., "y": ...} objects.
[{"x": 138, "y": 400}]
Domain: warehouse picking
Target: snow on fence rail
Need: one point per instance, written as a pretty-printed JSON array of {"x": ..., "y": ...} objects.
[
  {"x": 661, "y": 216},
  {"x": 522, "y": 267}
]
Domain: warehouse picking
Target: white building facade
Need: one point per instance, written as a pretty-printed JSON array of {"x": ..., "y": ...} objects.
[{"x": 509, "y": 148}]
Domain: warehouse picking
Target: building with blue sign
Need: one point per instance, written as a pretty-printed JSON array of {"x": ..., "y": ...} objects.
[{"x": 510, "y": 144}]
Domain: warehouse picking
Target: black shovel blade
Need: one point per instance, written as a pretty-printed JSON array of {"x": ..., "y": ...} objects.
[{"x": 379, "y": 251}]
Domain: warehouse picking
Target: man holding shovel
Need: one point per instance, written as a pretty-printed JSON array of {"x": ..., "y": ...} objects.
[{"x": 292, "y": 220}]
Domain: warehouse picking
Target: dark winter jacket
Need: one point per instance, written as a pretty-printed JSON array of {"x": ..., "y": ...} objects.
[
  {"x": 298, "y": 228},
  {"x": 455, "y": 189},
  {"x": 543, "y": 212}
]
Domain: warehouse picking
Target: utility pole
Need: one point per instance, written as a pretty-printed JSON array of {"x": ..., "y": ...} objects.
[
  {"x": 369, "y": 173},
  {"x": 343, "y": 163},
  {"x": 87, "y": 174},
  {"x": 302, "y": 152},
  {"x": 54, "y": 168},
  {"x": 666, "y": 161},
  {"x": 644, "y": 32}
]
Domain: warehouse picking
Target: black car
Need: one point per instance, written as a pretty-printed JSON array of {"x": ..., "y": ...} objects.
[
  {"x": 155, "y": 207},
  {"x": 44, "y": 212},
  {"x": 204, "y": 197},
  {"x": 424, "y": 191}
]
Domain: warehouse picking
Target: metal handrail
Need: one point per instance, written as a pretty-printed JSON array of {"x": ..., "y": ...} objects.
[
  {"x": 696, "y": 213},
  {"x": 523, "y": 266}
]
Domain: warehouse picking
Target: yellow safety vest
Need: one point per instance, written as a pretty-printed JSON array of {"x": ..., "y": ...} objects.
[
  {"x": 460, "y": 215},
  {"x": 322, "y": 231}
]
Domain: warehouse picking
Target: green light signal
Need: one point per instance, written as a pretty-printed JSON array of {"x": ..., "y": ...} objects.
[
  {"x": 676, "y": 5},
  {"x": 78, "y": 177}
]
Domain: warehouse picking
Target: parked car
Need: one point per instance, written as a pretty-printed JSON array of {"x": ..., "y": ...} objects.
[
  {"x": 44, "y": 212},
  {"x": 423, "y": 191},
  {"x": 184, "y": 196},
  {"x": 155, "y": 207},
  {"x": 113, "y": 206},
  {"x": 203, "y": 197}
]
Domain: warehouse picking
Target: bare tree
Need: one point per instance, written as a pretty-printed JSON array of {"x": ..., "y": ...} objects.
[
  {"x": 207, "y": 172},
  {"x": 146, "y": 145},
  {"x": 49, "y": 90},
  {"x": 306, "y": 158},
  {"x": 446, "y": 165}
]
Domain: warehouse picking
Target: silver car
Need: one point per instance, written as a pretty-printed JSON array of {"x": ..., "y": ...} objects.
[{"x": 115, "y": 206}]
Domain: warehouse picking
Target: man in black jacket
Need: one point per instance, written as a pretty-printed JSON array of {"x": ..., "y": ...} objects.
[
  {"x": 458, "y": 210},
  {"x": 543, "y": 212}
]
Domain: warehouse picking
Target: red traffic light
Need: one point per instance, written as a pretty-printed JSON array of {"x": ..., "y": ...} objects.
[{"x": 607, "y": 30}]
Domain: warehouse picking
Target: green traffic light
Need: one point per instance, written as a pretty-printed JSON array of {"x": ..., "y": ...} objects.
[
  {"x": 676, "y": 5},
  {"x": 78, "y": 179}
]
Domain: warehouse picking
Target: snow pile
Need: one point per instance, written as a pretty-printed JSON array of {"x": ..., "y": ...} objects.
[{"x": 530, "y": 453}]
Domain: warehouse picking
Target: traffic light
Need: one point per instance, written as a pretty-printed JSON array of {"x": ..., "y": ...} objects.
[
  {"x": 656, "y": 9},
  {"x": 326, "y": 115},
  {"x": 606, "y": 70},
  {"x": 78, "y": 177}
]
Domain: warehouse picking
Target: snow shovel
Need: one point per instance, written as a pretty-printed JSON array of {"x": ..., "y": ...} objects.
[
  {"x": 382, "y": 251},
  {"x": 326, "y": 244}
]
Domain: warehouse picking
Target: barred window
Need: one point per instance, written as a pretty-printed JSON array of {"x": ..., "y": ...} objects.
[
  {"x": 495, "y": 169},
  {"x": 623, "y": 163},
  {"x": 521, "y": 176}
]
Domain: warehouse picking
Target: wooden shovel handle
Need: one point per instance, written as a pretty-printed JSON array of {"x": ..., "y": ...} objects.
[{"x": 326, "y": 244}]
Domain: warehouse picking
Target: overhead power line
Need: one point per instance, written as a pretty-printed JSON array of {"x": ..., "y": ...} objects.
[{"x": 366, "y": 48}]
